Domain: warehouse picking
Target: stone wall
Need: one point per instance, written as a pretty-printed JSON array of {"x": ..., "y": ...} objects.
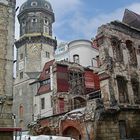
[
  {"x": 108, "y": 128},
  {"x": 7, "y": 17}
]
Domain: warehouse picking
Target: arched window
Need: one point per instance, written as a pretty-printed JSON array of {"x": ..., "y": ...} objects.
[
  {"x": 21, "y": 111},
  {"x": 132, "y": 53},
  {"x": 117, "y": 49},
  {"x": 21, "y": 123},
  {"x": 34, "y": 3},
  {"x": 76, "y": 58}
]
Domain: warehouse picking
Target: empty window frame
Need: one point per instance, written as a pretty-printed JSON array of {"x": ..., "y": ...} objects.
[
  {"x": 122, "y": 89},
  {"x": 117, "y": 49},
  {"x": 132, "y": 53},
  {"x": 136, "y": 90}
]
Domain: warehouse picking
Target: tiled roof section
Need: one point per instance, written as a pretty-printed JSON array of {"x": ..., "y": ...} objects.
[{"x": 131, "y": 18}]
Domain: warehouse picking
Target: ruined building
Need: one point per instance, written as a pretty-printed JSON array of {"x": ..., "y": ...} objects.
[
  {"x": 34, "y": 48},
  {"x": 7, "y": 19},
  {"x": 117, "y": 114},
  {"x": 63, "y": 89}
]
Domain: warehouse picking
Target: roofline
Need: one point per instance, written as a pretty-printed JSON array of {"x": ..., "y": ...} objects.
[
  {"x": 128, "y": 26},
  {"x": 36, "y": 9},
  {"x": 78, "y": 40}
]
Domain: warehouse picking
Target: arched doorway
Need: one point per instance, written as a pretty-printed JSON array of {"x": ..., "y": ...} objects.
[{"x": 72, "y": 132}]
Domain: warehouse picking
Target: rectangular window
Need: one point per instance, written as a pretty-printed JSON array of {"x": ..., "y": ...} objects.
[
  {"x": 42, "y": 103},
  {"x": 122, "y": 89},
  {"x": 21, "y": 75},
  {"x": 138, "y": 50},
  {"x": 122, "y": 129},
  {"x": 51, "y": 98},
  {"x": 136, "y": 89},
  {"x": 47, "y": 54}
]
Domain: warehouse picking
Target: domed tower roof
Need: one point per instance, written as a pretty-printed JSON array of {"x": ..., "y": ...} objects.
[
  {"x": 35, "y": 5},
  {"x": 36, "y": 16}
]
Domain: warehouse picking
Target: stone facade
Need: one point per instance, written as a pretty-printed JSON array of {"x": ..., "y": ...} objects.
[
  {"x": 7, "y": 18},
  {"x": 34, "y": 48},
  {"x": 117, "y": 116}
]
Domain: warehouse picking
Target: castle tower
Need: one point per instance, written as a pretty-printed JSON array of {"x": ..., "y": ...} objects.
[
  {"x": 7, "y": 18},
  {"x": 34, "y": 48}
]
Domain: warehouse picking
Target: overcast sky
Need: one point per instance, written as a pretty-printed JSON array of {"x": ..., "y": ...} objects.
[{"x": 79, "y": 19}]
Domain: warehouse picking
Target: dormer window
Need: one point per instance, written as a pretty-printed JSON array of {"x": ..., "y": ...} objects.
[
  {"x": 34, "y": 3},
  {"x": 46, "y": 22},
  {"x": 47, "y": 6},
  {"x": 34, "y": 20}
]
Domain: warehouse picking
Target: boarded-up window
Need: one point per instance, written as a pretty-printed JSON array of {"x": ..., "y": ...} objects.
[
  {"x": 91, "y": 81},
  {"x": 122, "y": 89},
  {"x": 62, "y": 78}
]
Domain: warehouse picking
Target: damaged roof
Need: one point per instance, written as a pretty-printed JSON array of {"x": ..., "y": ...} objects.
[{"x": 131, "y": 18}]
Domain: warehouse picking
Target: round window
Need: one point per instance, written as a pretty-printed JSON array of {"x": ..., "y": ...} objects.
[{"x": 34, "y": 4}]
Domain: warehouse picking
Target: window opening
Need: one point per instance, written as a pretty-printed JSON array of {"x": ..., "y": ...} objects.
[
  {"x": 122, "y": 89},
  {"x": 42, "y": 103},
  {"x": 132, "y": 53},
  {"x": 21, "y": 75},
  {"x": 34, "y": 4},
  {"x": 76, "y": 58},
  {"x": 136, "y": 90},
  {"x": 122, "y": 129},
  {"x": 117, "y": 50}
]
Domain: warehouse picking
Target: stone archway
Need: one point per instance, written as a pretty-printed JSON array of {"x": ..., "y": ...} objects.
[{"x": 72, "y": 132}]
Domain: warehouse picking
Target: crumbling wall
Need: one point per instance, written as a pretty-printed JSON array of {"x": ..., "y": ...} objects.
[
  {"x": 119, "y": 60},
  {"x": 120, "y": 82}
]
